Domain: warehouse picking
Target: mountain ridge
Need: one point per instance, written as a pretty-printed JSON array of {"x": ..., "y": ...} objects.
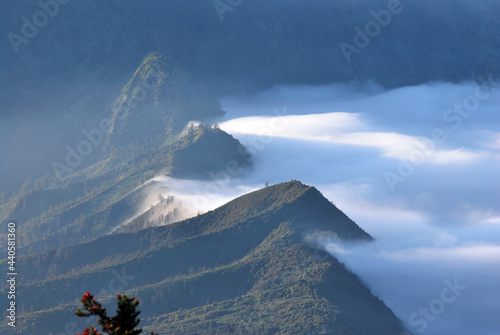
[
  {"x": 94, "y": 201},
  {"x": 157, "y": 103},
  {"x": 75, "y": 67},
  {"x": 207, "y": 273}
]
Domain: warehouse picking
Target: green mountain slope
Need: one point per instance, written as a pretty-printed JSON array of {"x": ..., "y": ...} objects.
[
  {"x": 149, "y": 109},
  {"x": 95, "y": 201},
  {"x": 242, "y": 268},
  {"x": 157, "y": 103}
]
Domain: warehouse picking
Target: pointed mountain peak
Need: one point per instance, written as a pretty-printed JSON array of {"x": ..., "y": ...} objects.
[
  {"x": 204, "y": 151},
  {"x": 272, "y": 196},
  {"x": 157, "y": 103},
  {"x": 302, "y": 205}
]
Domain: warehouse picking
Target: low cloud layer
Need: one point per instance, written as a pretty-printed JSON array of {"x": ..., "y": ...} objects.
[
  {"x": 414, "y": 279},
  {"x": 436, "y": 258},
  {"x": 411, "y": 166},
  {"x": 406, "y": 145}
]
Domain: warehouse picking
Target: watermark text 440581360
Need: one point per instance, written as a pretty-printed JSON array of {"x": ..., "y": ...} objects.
[{"x": 11, "y": 274}]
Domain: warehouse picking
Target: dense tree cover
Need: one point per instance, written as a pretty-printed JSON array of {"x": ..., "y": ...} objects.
[{"x": 244, "y": 267}]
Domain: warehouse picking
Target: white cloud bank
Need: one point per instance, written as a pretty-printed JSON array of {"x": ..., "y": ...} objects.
[
  {"x": 438, "y": 225},
  {"x": 441, "y": 223},
  {"x": 345, "y": 128}
]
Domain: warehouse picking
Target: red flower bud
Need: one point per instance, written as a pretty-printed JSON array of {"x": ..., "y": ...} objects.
[{"x": 87, "y": 296}]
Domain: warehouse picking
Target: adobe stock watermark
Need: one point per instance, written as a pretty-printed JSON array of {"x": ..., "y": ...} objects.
[
  {"x": 436, "y": 307},
  {"x": 31, "y": 26},
  {"x": 289, "y": 277},
  {"x": 117, "y": 284},
  {"x": 251, "y": 147},
  {"x": 223, "y": 6},
  {"x": 372, "y": 29},
  {"x": 220, "y": 180},
  {"x": 426, "y": 147},
  {"x": 97, "y": 136}
]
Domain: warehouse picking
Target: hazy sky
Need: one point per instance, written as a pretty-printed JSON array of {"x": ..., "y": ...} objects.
[{"x": 416, "y": 167}]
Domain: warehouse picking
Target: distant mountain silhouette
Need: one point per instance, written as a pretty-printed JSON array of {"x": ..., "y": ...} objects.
[
  {"x": 65, "y": 76},
  {"x": 157, "y": 103}
]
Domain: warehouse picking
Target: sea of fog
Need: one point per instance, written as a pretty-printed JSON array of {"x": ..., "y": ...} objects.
[{"x": 416, "y": 167}]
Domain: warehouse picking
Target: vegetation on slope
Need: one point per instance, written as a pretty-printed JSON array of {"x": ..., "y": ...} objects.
[
  {"x": 244, "y": 267},
  {"x": 95, "y": 201}
]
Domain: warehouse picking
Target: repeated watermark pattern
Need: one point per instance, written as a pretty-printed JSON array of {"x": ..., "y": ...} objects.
[
  {"x": 436, "y": 307},
  {"x": 427, "y": 147},
  {"x": 252, "y": 324},
  {"x": 30, "y": 27},
  {"x": 372, "y": 29},
  {"x": 223, "y": 6},
  {"x": 118, "y": 282},
  {"x": 249, "y": 146},
  {"x": 97, "y": 136}
]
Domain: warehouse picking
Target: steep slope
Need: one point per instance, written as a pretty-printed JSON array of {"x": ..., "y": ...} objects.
[
  {"x": 149, "y": 108},
  {"x": 93, "y": 202},
  {"x": 196, "y": 160},
  {"x": 157, "y": 103},
  {"x": 244, "y": 267}
]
